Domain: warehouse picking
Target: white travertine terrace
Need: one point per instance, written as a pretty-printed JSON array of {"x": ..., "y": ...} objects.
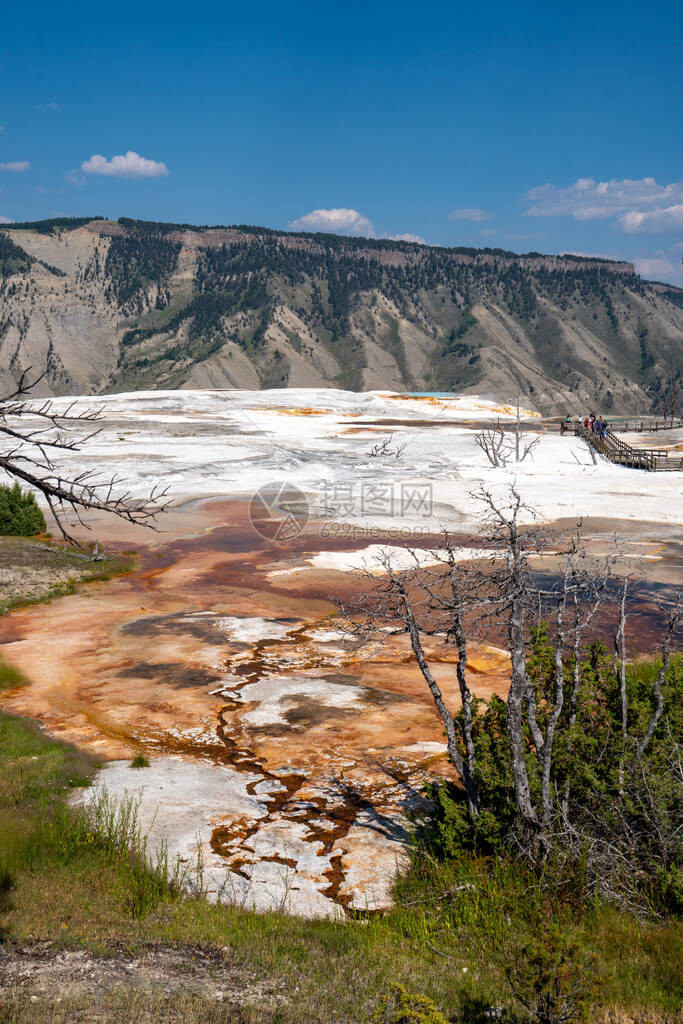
[{"x": 231, "y": 443}]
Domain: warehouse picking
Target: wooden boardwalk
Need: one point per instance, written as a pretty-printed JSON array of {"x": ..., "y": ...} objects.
[{"x": 656, "y": 460}]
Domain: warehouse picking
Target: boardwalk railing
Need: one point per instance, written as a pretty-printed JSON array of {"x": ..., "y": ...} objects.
[
  {"x": 643, "y": 427},
  {"x": 616, "y": 450}
]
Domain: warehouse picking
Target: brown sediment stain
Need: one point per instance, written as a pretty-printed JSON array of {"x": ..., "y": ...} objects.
[
  {"x": 299, "y": 411},
  {"x": 174, "y": 673},
  {"x": 445, "y": 401},
  {"x": 341, "y": 819},
  {"x": 224, "y": 837}
]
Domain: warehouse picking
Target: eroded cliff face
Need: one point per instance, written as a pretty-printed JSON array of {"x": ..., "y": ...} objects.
[{"x": 110, "y": 306}]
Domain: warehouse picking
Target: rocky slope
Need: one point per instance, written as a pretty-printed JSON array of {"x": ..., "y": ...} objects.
[{"x": 111, "y": 306}]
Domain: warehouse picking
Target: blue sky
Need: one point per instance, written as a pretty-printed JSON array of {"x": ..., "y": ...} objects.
[{"x": 530, "y": 126}]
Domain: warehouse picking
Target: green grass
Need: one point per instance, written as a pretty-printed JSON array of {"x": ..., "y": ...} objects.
[
  {"x": 10, "y": 677},
  {"x": 84, "y": 880},
  {"x": 35, "y": 774}
]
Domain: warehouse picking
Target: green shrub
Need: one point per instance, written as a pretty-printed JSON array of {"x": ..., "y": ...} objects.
[
  {"x": 552, "y": 977},
  {"x": 20, "y": 514},
  {"x": 616, "y": 800},
  {"x": 400, "y": 1007},
  {"x": 10, "y": 677}
]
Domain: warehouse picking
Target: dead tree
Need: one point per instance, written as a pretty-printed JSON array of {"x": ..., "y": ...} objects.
[
  {"x": 456, "y": 631},
  {"x": 437, "y": 602},
  {"x": 499, "y": 450},
  {"x": 590, "y": 449},
  {"x": 494, "y": 445},
  {"x": 514, "y": 584},
  {"x": 414, "y": 603},
  {"x": 383, "y": 448},
  {"x": 582, "y": 619},
  {"x": 35, "y": 431},
  {"x": 620, "y": 675},
  {"x": 564, "y": 694},
  {"x": 523, "y": 447},
  {"x": 669, "y": 398}
]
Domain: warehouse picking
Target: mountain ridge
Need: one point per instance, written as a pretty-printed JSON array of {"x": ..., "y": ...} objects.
[{"x": 124, "y": 305}]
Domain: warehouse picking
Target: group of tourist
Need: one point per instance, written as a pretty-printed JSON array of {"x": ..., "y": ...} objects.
[{"x": 596, "y": 424}]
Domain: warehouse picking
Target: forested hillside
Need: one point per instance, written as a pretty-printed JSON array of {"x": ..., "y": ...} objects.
[{"x": 110, "y": 306}]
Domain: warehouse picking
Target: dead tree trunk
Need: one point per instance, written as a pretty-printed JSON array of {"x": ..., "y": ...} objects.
[
  {"x": 465, "y": 695},
  {"x": 558, "y": 702},
  {"x": 516, "y": 594},
  {"x": 462, "y": 767},
  {"x": 620, "y": 675}
]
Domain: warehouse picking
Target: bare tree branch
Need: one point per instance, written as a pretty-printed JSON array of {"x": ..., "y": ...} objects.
[
  {"x": 492, "y": 443},
  {"x": 413, "y": 631},
  {"x": 383, "y": 448},
  {"x": 37, "y": 432}
]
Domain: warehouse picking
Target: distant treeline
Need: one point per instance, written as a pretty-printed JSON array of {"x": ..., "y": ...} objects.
[
  {"x": 48, "y": 227},
  {"x": 149, "y": 227}
]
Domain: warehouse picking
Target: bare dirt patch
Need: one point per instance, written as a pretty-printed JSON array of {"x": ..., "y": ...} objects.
[
  {"x": 42, "y": 974},
  {"x": 33, "y": 570}
]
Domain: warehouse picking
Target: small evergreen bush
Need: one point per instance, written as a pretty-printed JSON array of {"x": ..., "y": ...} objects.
[
  {"x": 20, "y": 514},
  {"x": 400, "y": 1007}
]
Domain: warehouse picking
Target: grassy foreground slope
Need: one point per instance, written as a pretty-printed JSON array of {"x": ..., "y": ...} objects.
[{"x": 73, "y": 891}]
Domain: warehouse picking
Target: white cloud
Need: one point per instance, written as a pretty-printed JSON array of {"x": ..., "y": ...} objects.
[
  {"x": 407, "y": 237},
  {"x": 2, "y": 127},
  {"x": 640, "y": 205},
  {"x": 343, "y": 221},
  {"x": 48, "y": 106},
  {"x": 15, "y": 165},
  {"x": 132, "y": 165},
  {"x": 6, "y": 220},
  {"x": 660, "y": 268},
  {"x": 471, "y": 215},
  {"x": 338, "y": 221},
  {"x": 658, "y": 221},
  {"x": 76, "y": 178}
]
